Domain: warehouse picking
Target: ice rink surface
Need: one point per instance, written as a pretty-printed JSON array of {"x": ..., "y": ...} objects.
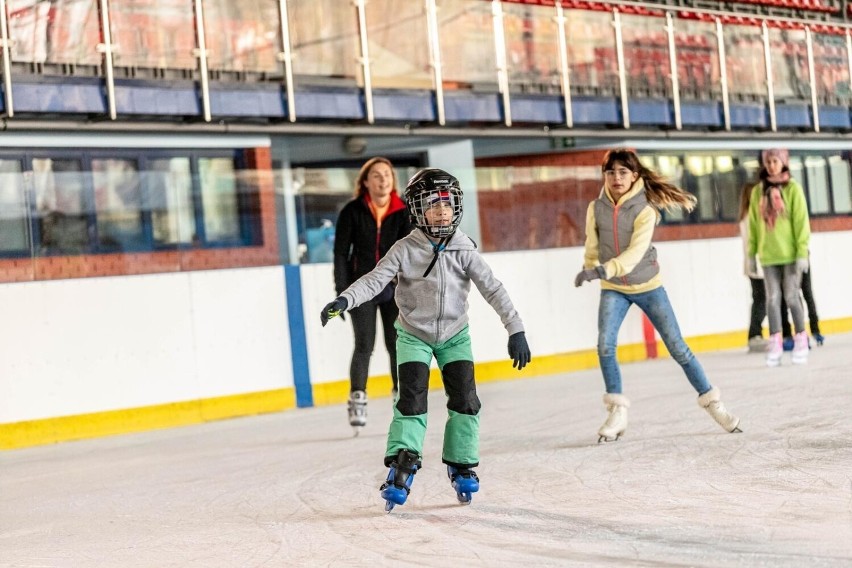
[{"x": 296, "y": 489}]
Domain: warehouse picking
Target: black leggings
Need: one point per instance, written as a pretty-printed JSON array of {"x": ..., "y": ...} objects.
[{"x": 364, "y": 326}]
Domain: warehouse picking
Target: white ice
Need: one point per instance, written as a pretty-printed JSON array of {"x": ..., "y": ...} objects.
[{"x": 296, "y": 489}]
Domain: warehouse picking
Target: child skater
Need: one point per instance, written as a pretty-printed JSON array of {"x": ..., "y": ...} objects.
[
  {"x": 434, "y": 267},
  {"x": 779, "y": 232},
  {"x": 619, "y": 251}
]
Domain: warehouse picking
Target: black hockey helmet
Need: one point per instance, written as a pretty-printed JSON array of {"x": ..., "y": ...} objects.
[{"x": 431, "y": 187}]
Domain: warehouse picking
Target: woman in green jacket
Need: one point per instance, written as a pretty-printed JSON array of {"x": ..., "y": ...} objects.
[{"x": 779, "y": 235}]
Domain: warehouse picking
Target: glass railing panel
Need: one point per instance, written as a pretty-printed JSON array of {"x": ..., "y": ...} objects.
[
  {"x": 243, "y": 35},
  {"x": 118, "y": 205},
  {"x": 324, "y": 37},
  {"x": 745, "y": 63},
  {"x": 646, "y": 56},
  {"x": 62, "y": 207},
  {"x": 160, "y": 35},
  {"x": 398, "y": 38},
  {"x": 320, "y": 194},
  {"x": 538, "y": 207},
  {"x": 591, "y": 52},
  {"x": 817, "y": 184},
  {"x": 59, "y": 31},
  {"x": 831, "y": 68},
  {"x": 790, "y": 74},
  {"x": 466, "y": 35},
  {"x": 532, "y": 48},
  {"x": 698, "y": 69}
]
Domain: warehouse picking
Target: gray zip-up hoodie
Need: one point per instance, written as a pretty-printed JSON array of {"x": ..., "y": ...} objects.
[{"x": 434, "y": 308}]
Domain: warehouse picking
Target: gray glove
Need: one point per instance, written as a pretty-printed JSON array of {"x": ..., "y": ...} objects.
[
  {"x": 802, "y": 265},
  {"x": 589, "y": 275}
]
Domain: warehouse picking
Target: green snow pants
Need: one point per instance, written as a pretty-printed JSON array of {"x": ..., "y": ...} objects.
[{"x": 408, "y": 427}]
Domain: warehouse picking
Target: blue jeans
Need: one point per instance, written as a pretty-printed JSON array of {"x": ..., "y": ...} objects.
[{"x": 656, "y": 305}]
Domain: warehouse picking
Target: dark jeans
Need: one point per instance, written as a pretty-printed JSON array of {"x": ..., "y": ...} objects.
[{"x": 364, "y": 326}]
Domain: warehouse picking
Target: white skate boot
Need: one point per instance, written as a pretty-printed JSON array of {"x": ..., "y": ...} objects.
[
  {"x": 616, "y": 422},
  {"x": 710, "y": 401},
  {"x": 775, "y": 350},
  {"x": 357, "y": 408},
  {"x": 800, "y": 348}
]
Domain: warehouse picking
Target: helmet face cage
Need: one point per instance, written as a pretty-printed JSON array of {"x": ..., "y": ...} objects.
[{"x": 434, "y": 189}]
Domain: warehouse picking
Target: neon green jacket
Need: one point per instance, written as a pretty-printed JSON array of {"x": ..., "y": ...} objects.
[{"x": 790, "y": 237}]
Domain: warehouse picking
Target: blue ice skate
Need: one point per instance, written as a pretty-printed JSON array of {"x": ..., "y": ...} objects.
[
  {"x": 464, "y": 481},
  {"x": 396, "y": 488}
]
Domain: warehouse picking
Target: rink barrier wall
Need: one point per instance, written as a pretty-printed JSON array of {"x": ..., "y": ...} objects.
[
  {"x": 132, "y": 420},
  {"x": 149, "y": 351}
]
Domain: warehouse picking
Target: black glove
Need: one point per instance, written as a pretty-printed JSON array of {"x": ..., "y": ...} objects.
[
  {"x": 334, "y": 309},
  {"x": 519, "y": 351},
  {"x": 589, "y": 275}
]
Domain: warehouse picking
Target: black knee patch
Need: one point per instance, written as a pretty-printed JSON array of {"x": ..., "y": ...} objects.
[
  {"x": 461, "y": 388},
  {"x": 413, "y": 388}
]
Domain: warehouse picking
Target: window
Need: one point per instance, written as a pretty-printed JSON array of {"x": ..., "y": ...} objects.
[
  {"x": 118, "y": 205},
  {"x": 817, "y": 185},
  {"x": 14, "y": 236},
  {"x": 169, "y": 182},
  {"x": 219, "y": 199},
  {"x": 61, "y": 208},
  {"x": 841, "y": 190}
]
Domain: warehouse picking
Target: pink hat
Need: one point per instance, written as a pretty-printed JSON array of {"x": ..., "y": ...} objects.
[{"x": 779, "y": 153}]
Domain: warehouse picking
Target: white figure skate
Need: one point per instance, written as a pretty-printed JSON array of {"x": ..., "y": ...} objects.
[
  {"x": 357, "y": 408},
  {"x": 616, "y": 422}
]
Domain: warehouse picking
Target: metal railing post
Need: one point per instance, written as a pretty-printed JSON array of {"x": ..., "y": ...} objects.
[
  {"x": 812, "y": 77},
  {"x": 106, "y": 48},
  {"x": 673, "y": 65},
  {"x": 622, "y": 71},
  {"x": 770, "y": 87},
  {"x": 500, "y": 59},
  {"x": 286, "y": 57},
  {"x": 565, "y": 71},
  {"x": 364, "y": 59},
  {"x": 435, "y": 59},
  {"x": 201, "y": 53},
  {"x": 723, "y": 74},
  {"x": 6, "y": 44}
]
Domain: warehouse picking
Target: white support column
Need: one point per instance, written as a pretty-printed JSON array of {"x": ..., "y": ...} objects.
[
  {"x": 622, "y": 71},
  {"x": 364, "y": 59},
  {"x": 106, "y": 49},
  {"x": 500, "y": 59},
  {"x": 564, "y": 67},
  {"x": 770, "y": 87},
  {"x": 435, "y": 59},
  {"x": 670, "y": 31},
  {"x": 201, "y": 53},
  {"x": 723, "y": 72}
]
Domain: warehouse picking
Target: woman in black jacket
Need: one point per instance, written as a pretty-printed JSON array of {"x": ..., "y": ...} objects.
[{"x": 366, "y": 228}]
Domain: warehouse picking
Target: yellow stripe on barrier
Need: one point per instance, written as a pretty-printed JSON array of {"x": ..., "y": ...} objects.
[{"x": 126, "y": 421}]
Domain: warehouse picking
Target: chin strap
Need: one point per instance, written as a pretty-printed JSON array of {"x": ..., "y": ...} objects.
[{"x": 436, "y": 248}]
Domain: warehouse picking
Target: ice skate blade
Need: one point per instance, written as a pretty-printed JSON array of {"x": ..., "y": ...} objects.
[
  {"x": 464, "y": 498},
  {"x": 603, "y": 438},
  {"x": 736, "y": 430}
]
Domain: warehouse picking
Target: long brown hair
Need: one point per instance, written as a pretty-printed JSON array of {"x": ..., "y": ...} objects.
[
  {"x": 659, "y": 192},
  {"x": 745, "y": 200},
  {"x": 365, "y": 171}
]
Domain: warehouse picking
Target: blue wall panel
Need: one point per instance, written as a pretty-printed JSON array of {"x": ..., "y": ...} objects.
[
  {"x": 750, "y": 115},
  {"x": 704, "y": 113},
  {"x": 656, "y": 112},
  {"x": 834, "y": 117},
  {"x": 263, "y": 100},
  {"x": 68, "y": 95},
  {"x": 461, "y": 106},
  {"x": 172, "y": 99},
  {"x": 538, "y": 108},
  {"x": 596, "y": 110},
  {"x": 404, "y": 106},
  {"x": 796, "y": 115},
  {"x": 331, "y": 102}
]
